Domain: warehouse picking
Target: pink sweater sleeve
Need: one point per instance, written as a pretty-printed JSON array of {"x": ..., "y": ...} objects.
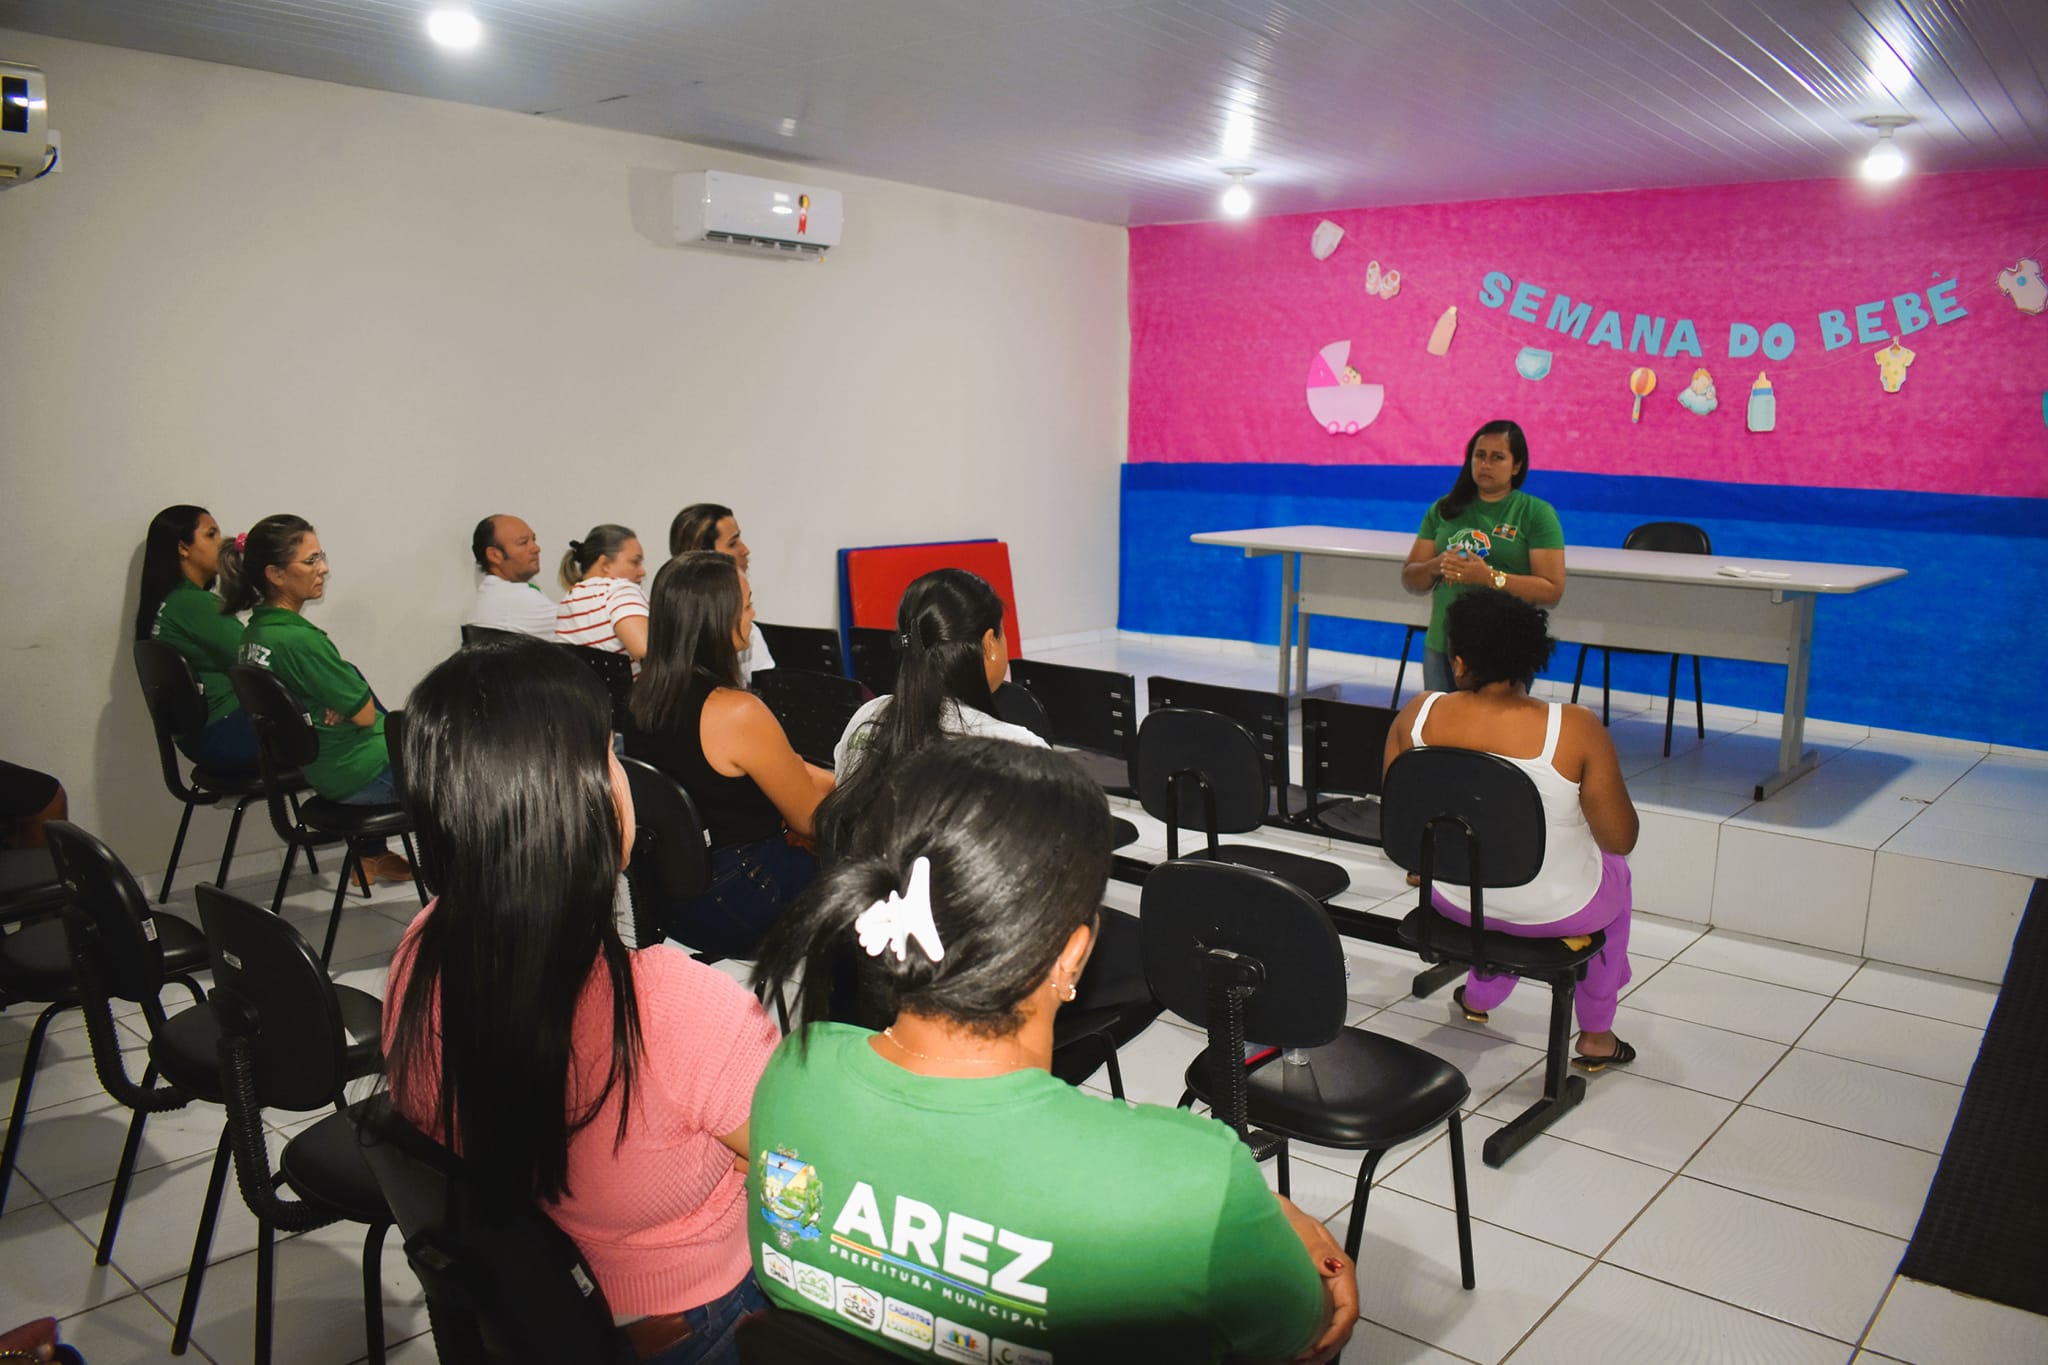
[{"x": 707, "y": 1040}]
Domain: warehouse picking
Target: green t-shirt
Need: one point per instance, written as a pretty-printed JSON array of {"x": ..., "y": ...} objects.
[
  {"x": 190, "y": 621},
  {"x": 1502, "y": 533},
  {"x": 312, "y": 669},
  {"x": 1014, "y": 1219}
]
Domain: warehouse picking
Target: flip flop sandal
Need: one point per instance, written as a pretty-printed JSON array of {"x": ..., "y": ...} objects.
[
  {"x": 1472, "y": 1016},
  {"x": 1622, "y": 1055}
]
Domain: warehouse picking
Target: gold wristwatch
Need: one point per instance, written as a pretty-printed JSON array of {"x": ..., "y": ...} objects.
[{"x": 1500, "y": 580}]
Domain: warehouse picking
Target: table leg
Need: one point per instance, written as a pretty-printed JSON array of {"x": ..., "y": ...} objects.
[
  {"x": 1794, "y": 758},
  {"x": 1301, "y": 620},
  {"x": 1287, "y": 559}
]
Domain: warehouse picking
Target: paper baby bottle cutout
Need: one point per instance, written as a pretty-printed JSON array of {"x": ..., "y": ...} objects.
[
  {"x": 1384, "y": 285},
  {"x": 1446, "y": 328},
  {"x": 1891, "y": 366},
  {"x": 1324, "y": 239},
  {"x": 1698, "y": 396},
  {"x": 2023, "y": 284},
  {"x": 1642, "y": 381},
  {"x": 1763, "y": 405},
  {"x": 1340, "y": 400}
]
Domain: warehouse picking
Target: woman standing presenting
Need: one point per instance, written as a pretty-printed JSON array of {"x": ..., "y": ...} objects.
[{"x": 1485, "y": 533}]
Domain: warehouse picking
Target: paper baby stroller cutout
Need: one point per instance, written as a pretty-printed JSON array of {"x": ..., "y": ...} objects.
[
  {"x": 1340, "y": 400},
  {"x": 2024, "y": 286},
  {"x": 1698, "y": 397},
  {"x": 1384, "y": 285},
  {"x": 1324, "y": 239}
]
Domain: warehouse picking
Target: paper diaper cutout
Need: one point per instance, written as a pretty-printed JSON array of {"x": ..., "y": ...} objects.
[
  {"x": 2024, "y": 285},
  {"x": 1385, "y": 285},
  {"x": 1533, "y": 362},
  {"x": 1446, "y": 328},
  {"x": 1891, "y": 366},
  {"x": 1698, "y": 396},
  {"x": 1324, "y": 239},
  {"x": 1642, "y": 381},
  {"x": 1763, "y": 404},
  {"x": 1340, "y": 400}
]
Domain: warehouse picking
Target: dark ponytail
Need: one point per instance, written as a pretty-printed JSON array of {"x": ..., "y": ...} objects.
[
  {"x": 606, "y": 539},
  {"x": 162, "y": 570},
  {"x": 1018, "y": 843},
  {"x": 271, "y": 543}
]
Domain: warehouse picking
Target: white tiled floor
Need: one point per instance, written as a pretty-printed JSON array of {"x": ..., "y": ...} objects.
[{"x": 1742, "y": 1193}]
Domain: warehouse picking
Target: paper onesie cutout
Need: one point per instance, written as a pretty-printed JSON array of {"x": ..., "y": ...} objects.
[
  {"x": 1386, "y": 286},
  {"x": 1324, "y": 240},
  {"x": 1340, "y": 400},
  {"x": 1763, "y": 405},
  {"x": 1891, "y": 366},
  {"x": 2024, "y": 284},
  {"x": 1698, "y": 396}
]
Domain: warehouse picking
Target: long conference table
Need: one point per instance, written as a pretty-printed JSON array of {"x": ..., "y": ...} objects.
[{"x": 1632, "y": 599}]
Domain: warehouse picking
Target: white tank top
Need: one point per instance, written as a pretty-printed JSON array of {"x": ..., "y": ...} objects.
[{"x": 1571, "y": 859}]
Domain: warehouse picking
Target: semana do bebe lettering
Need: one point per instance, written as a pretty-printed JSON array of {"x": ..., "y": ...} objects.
[{"x": 1650, "y": 334}]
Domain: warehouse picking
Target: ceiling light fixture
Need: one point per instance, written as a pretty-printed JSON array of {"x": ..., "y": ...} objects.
[
  {"x": 1886, "y": 161},
  {"x": 1237, "y": 200},
  {"x": 454, "y": 28}
]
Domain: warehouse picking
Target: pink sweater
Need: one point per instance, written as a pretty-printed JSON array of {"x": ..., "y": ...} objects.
[{"x": 662, "y": 1220}]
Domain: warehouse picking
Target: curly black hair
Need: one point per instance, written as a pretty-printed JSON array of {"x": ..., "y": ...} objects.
[{"x": 1500, "y": 637}]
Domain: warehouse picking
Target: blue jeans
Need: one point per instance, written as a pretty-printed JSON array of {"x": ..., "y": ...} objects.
[
  {"x": 228, "y": 746},
  {"x": 712, "y": 1327},
  {"x": 750, "y": 884},
  {"x": 378, "y": 791},
  {"x": 1436, "y": 671}
]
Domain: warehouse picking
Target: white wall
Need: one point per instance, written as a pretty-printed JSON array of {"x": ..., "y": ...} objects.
[{"x": 393, "y": 315}]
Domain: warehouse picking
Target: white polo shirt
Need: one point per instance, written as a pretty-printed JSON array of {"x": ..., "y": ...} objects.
[{"x": 520, "y": 607}]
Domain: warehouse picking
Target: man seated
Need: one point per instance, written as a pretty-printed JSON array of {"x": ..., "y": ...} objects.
[{"x": 507, "y": 598}]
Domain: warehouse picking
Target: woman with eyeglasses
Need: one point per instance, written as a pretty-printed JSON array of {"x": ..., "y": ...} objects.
[{"x": 272, "y": 572}]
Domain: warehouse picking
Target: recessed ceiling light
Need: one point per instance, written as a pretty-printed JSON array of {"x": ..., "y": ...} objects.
[{"x": 454, "y": 28}]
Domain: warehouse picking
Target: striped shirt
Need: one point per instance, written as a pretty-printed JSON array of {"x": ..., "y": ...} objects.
[{"x": 590, "y": 614}]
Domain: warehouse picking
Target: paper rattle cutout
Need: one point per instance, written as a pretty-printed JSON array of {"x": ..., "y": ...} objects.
[{"x": 1641, "y": 382}]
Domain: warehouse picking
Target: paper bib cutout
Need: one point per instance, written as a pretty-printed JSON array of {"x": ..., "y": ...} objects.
[{"x": 1340, "y": 400}]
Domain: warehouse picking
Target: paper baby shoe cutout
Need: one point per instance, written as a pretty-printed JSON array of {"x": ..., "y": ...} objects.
[{"x": 1384, "y": 285}]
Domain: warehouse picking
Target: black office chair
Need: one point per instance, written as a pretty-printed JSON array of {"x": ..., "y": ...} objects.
[
  {"x": 1016, "y": 706},
  {"x": 285, "y": 743},
  {"x": 812, "y": 707},
  {"x": 504, "y": 1284},
  {"x": 177, "y": 712},
  {"x": 1263, "y": 716},
  {"x": 873, "y": 657},
  {"x": 1113, "y": 1003},
  {"x": 615, "y": 671},
  {"x": 1247, "y": 955},
  {"x": 119, "y": 949},
  {"x": 1444, "y": 809},
  {"x": 286, "y": 1044},
  {"x": 783, "y": 1336},
  {"x": 1343, "y": 751},
  {"x": 1669, "y": 537},
  {"x": 1093, "y": 713},
  {"x": 671, "y": 864},
  {"x": 814, "y": 649},
  {"x": 476, "y": 635},
  {"x": 1202, "y": 770}
]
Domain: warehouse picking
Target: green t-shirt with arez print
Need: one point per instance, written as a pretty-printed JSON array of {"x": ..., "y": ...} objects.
[
  {"x": 312, "y": 670},
  {"x": 190, "y": 621},
  {"x": 1501, "y": 533}
]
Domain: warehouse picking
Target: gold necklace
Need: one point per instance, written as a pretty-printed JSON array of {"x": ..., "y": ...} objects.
[{"x": 901, "y": 1046}]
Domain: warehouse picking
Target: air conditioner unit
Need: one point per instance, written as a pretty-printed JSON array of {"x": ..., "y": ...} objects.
[
  {"x": 24, "y": 124},
  {"x": 717, "y": 208}
]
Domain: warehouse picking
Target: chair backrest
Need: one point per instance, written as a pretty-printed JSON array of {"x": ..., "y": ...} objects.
[
  {"x": 268, "y": 986},
  {"x": 1262, "y": 714},
  {"x": 1211, "y": 928},
  {"x": 814, "y": 649},
  {"x": 104, "y": 894},
  {"x": 779, "y": 1336},
  {"x": 874, "y": 657},
  {"x": 1460, "y": 816},
  {"x": 1343, "y": 746},
  {"x": 285, "y": 736},
  {"x": 504, "y": 1284},
  {"x": 668, "y": 847},
  {"x": 1019, "y": 707},
  {"x": 177, "y": 706},
  {"x": 476, "y": 635},
  {"x": 813, "y": 708},
  {"x": 1671, "y": 537},
  {"x": 1090, "y": 708},
  {"x": 615, "y": 671},
  {"x": 1174, "y": 742}
]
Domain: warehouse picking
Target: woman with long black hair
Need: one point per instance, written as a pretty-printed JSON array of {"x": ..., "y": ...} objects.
[
  {"x": 1485, "y": 533},
  {"x": 611, "y": 1086},
  {"x": 180, "y": 562}
]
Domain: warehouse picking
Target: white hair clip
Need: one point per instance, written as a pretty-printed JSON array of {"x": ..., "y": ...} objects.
[{"x": 890, "y": 923}]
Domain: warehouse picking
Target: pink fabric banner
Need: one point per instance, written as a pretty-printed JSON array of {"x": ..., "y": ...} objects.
[{"x": 1901, "y": 329}]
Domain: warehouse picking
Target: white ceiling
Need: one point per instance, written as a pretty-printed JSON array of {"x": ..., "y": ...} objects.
[{"x": 1119, "y": 112}]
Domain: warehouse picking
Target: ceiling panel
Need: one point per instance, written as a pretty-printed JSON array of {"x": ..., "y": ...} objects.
[{"x": 1124, "y": 111}]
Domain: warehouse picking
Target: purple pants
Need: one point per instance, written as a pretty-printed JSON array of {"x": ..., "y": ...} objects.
[{"x": 1606, "y": 973}]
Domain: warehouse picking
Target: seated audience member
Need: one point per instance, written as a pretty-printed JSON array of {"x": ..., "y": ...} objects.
[
  {"x": 180, "y": 560},
  {"x": 693, "y": 720},
  {"x": 28, "y": 801},
  {"x": 1498, "y": 644},
  {"x": 272, "y": 573},
  {"x": 605, "y": 608},
  {"x": 940, "y": 1162},
  {"x": 708, "y": 526},
  {"x": 507, "y": 598},
  {"x": 611, "y": 1086}
]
